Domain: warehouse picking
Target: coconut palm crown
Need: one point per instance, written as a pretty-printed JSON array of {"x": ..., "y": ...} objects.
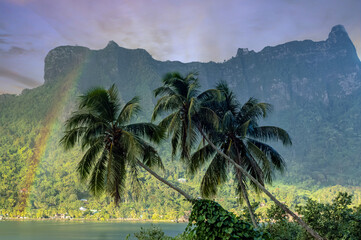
[
  {"x": 181, "y": 98},
  {"x": 240, "y": 137},
  {"x": 112, "y": 145}
]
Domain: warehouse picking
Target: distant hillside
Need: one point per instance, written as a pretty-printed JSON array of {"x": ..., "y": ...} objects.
[{"x": 315, "y": 88}]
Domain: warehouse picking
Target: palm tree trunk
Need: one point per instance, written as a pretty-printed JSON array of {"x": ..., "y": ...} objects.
[
  {"x": 180, "y": 191},
  {"x": 245, "y": 196},
  {"x": 244, "y": 192},
  {"x": 282, "y": 206}
]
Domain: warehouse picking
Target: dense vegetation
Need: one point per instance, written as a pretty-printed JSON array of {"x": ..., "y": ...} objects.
[
  {"x": 313, "y": 86},
  {"x": 56, "y": 188},
  {"x": 336, "y": 220},
  {"x": 39, "y": 180}
]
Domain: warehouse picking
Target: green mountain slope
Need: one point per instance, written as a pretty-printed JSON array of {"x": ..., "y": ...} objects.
[{"x": 315, "y": 88}]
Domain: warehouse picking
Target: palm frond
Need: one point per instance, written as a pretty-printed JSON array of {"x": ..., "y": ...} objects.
[
  {"x": 171, "y": 122},
  {"x": 89, "y": 158},
  {"x": 208, "y": 119},
  {"x": 96, "y": 184},
  {"x": 92, "y": 97},
  {"x": 254, "y": 110},
  {"x": 131, "y": 108},
  {"x": 215, "y": 175},
  {"x": 98, "y": 101},
  {"x": 276, "y": 159},
  {"x": 263, "y": 160},
  {"x": 166, "y": 103},
  {"x": 175, "y": 140},
  {"x": 243, "y": 129},
  {"x": 163, "y": 90},
  {"x": 267, "y": 133},
  {"x": 209, "y": 95},
  {"x": 169, "y": 77},
  {"x": 116, "y": 175},
  {"x": 130, "y": 146},
  {"x": 149, "y": 131},
  {"x": 83, "y": 118},
  {"x": 151, "y": 157},
  {"x": 192, "y": 90},
  {"x": 113, "y": 94},
  {"x": 228, "y": 121},
  {"x": 71, "y": 137},
  {"x": 92, "y": 134},
  {"x": 134, "y": 181},
  {"x": 240, "y": 179},
  {"x": 199, "y": 158}
]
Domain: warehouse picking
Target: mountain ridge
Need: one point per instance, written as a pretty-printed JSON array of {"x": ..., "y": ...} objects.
[
  {"x": 321, "y": 78},
  {"x": 315, "y": 88}
]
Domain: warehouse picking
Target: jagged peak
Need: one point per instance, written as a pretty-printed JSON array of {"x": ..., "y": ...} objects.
[
  {"x": 112, "y": 44},
  {"x": 243, "y": 51},
  {"x": 338, "y": 28},
  {"x": 338, "y": 32}
]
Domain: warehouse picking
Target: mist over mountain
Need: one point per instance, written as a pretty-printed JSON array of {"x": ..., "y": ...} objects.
[{"x": 315, "y": 88}]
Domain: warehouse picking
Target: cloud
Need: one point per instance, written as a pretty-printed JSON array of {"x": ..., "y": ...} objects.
[
  {"x": 179, "y": 30},
  {"x": 194, "y": 30},
  {"x": 13, "y": 51},
  {"x": 14, "y": 76},
  {"x": 3, "y": 38},
  {"x": 17, "y": 50}
]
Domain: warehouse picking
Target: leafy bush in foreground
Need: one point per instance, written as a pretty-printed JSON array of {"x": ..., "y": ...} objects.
[
  {"x": 156, "y": 233},
  {"x": 152, "y": 233},
  {"x": 210, "y": 221}
]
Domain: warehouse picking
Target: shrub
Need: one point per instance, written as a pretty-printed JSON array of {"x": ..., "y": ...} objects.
[{"x": 210, "y": 221}]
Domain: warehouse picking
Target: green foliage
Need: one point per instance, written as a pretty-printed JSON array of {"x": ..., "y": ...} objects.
[
  {"x": 334, "y": 221},
  {"x": 113, "y": 145},
  {"x": 279, "y": 226},
  {"x": 284, "y": 230},
  {"x": 180, "y": 97},
  {"x": 240, "y": 136},
  {"x": 151, "y": 233},
  {"x": 246, "y": 213},
  {"x": 209, "y": 220},
  {"x": 56, "y": 188},
  {"x": 275, "y": 213},
  {"x": 155, "y": 233}
]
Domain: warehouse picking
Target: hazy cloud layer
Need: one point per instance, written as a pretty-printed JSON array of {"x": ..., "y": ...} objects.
[
  {"x": 16, "y": 77},
  {"x": 203, "y": 30}
]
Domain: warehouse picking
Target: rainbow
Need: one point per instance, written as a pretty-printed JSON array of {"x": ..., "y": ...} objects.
[{"x": 61, "y": 100}]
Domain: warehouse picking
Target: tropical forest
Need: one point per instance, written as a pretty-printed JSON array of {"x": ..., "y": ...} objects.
[{"x": 117, "y": 144}]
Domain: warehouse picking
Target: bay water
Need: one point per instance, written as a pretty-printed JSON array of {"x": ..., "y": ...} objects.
[{"x": 57, "y": 230}]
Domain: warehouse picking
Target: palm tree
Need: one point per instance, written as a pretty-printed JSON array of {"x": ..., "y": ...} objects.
[
  {"x": 190, "y": 116},
  {"x": 239, "y": 137},
  {"x": 114, "y": 147},
  {"x": 181, "y": 96}
]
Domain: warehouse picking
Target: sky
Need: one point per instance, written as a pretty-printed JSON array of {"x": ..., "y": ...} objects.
[{"x": 182, "y": 30}]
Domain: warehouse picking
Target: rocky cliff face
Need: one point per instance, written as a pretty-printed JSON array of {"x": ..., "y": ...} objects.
[
  {"x": 314, "y": 86},
  {"x": 62, "y": 60}
]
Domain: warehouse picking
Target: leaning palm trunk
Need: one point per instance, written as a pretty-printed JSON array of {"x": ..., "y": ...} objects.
[
  {"x": 245, "y": 196},
  {"x": 282, "y": 206},
  {"x": 180, "y": 191},
  {"x": 244, "y": 193}
]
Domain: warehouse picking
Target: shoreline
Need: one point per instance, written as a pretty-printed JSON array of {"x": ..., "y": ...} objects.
[{"x": 115, "y": 220}]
